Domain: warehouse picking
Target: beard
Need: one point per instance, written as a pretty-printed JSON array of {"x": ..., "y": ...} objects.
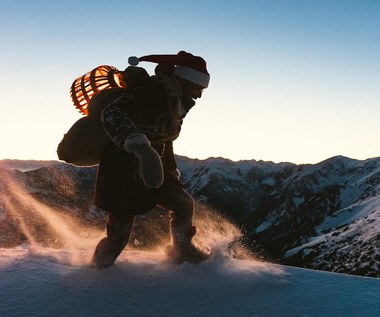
[{"x": 188, "y": 104}]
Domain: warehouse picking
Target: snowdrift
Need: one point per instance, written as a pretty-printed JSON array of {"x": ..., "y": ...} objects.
[{"x": 34, "y": 283}]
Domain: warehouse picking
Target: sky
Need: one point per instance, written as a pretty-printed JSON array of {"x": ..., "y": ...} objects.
[{"x": 294, "y": 81}]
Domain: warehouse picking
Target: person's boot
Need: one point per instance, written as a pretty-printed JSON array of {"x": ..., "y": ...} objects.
[
  {"x": 110, "y": 247},
  {"x": 182, "y": 249},
  {"x": 106, "y": 252}
]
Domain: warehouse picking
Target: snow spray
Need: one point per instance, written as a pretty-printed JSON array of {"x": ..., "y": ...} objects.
[
  {"x": 47, "y": 229},
  {"x": 213, "y": 230},
  {"x": 53, "y": 232},
  {"x": 217, "y": 233}
]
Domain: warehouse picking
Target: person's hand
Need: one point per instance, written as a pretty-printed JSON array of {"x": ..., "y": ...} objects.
[{"x": 150, "y": 165}]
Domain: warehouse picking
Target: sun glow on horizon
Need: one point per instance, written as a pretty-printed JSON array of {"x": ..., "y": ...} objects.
[{"x": 299, "y": 83}]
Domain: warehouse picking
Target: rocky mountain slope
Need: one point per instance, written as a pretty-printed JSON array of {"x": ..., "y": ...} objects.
[{"x": 323, "y": 216}]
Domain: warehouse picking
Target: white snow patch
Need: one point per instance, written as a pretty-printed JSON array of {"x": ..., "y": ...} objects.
[
  {"x": 269, "y": 181},
  {"x": 349, "y": 215},
  {"x": 312, "y": 242},
  {"x": 297, "y": 201},
  {"x": 263, "y": 226}
]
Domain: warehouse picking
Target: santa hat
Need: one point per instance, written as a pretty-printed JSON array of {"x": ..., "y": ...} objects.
[{"x": 189, "y": 67}]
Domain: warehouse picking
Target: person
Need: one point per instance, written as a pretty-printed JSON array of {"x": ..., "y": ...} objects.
[{"x": 137, "y": 170}]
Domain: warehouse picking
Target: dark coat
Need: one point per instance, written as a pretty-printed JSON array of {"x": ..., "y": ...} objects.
[{"x": 148, "y": 109}]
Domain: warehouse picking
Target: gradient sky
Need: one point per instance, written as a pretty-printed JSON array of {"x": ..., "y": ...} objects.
[{"x": 295, "y": 81}]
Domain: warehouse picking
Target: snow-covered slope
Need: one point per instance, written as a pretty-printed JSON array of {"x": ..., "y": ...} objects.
[{"x": 37, "y": 282}]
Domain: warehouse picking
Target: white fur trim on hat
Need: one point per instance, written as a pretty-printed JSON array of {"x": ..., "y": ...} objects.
[{"x": 192, "y": 75}]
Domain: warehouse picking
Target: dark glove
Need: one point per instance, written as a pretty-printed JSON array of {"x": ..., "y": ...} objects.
[{"x": 150, "y": 165}]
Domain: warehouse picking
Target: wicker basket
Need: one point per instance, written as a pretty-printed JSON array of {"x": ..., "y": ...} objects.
[{"x": 86, "y": 86}]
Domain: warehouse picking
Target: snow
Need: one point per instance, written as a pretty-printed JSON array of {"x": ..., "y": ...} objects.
[
  {"x": 352, "y": 218},
  {"x": 297, "y": 201},
  {"x": 349, "y": 215},
  {"x": 310, "y": 243},
  {"x": 201, "y": 171},
  {"x": 263, "y": 226},
  {"x": 34, "y": 283}
]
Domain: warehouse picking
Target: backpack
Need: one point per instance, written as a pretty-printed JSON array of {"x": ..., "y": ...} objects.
[{"x": 85, "y": 141}]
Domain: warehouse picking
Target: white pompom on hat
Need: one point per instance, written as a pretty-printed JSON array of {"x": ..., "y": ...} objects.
[
  {"x": 189, "y": 67},
  {"x": 133, "y": 60}
]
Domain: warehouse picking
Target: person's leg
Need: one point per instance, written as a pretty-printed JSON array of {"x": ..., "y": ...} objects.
[
  {"x": 181, "y": 206},
  {"x": 181, "y": 210},
  {"x": 109, "y": 248}
]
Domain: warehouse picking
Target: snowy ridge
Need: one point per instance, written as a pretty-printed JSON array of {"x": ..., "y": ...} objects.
[{"x": 24, "y": 165}]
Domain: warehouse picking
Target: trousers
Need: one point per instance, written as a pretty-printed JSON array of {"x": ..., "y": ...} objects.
[{"x": 173, "y": 197}]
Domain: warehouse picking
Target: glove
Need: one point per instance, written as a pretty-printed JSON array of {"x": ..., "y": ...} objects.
[{"x": 150, "y": 165}]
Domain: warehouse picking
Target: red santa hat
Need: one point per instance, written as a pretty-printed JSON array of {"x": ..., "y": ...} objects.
[{"x": 187, "y": 66}]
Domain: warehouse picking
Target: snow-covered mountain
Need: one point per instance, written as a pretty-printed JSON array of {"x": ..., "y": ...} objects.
[{"x": 323, "y": 216}]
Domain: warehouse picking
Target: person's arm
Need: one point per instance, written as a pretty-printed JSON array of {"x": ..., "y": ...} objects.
[
  {"x": 170, "y": 163},
  {"x": 117, "y": 123},
  {"x": 119, "y": 126},
  {"x": 169, "y": 159}
]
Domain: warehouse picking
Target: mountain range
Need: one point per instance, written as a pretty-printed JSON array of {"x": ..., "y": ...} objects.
[{"x": 323, "y": 216}]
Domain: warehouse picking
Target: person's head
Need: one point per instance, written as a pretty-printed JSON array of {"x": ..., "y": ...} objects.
[
  {"x": 193, "y": 77},
  {"x": 190, "y": 71},
  {"x": 190, "y": 92}
]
